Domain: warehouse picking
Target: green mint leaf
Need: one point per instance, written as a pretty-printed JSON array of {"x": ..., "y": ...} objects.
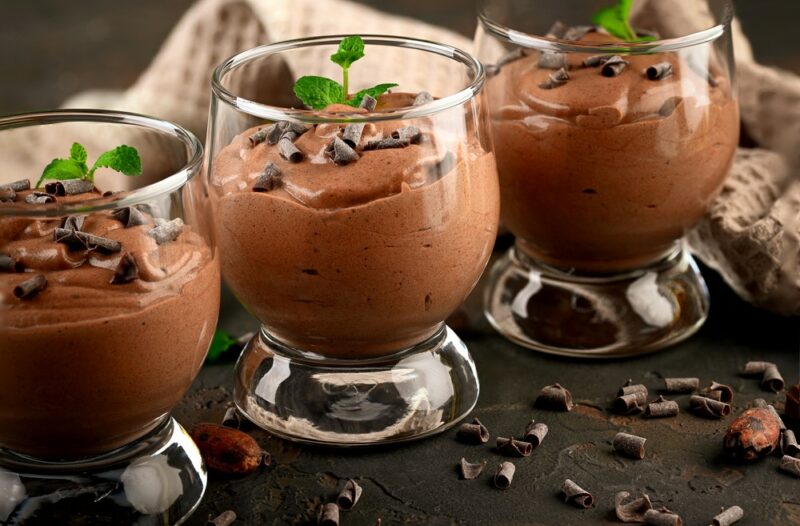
[
  {"x": 62, "y": 169},
  {"x": 375, "y": 92},
  {"x": 220, "y": 344},
  {"x": 616, "y": 20},
  {"x": 318, "y": 92},
  {"x": 350, "y": 50},
  {"x": 123, "y": 159},
  {"x": 78, "y": 153}
]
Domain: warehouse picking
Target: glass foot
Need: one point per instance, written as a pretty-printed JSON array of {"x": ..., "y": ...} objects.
[
  {"x": 311, "y": 399},
  {"x": 570, "y": 314},
  {"x": 158, "y": 480}
]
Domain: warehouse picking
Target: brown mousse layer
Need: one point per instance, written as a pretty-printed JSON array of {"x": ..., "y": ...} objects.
[
  {"x": 99, "y": 355},
  {"x": 365, "y": 257},
  {"x": 602, "y": 171}
]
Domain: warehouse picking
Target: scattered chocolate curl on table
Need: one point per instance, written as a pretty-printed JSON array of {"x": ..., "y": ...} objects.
[{"x": 631, "y": 510}]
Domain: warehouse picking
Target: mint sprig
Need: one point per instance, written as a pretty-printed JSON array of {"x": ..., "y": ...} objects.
[
  {"x": 123, "y": 159},
  {"x": 220, "y": 344},
  {"x": 616, "y": 20},
  {"x": 319, "y": 92}
]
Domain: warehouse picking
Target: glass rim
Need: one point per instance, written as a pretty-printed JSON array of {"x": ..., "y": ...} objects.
[
  {"x": 276, "y": 113},
  {"x": 538, "y": 42},
  {"x": 163, "y": 186}
]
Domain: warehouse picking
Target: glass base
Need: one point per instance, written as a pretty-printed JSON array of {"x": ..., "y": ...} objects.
[
  {"x": 312, "y": 399},
  {"x": 594, "y": 316},
  {"x": 159, "y": 479}
]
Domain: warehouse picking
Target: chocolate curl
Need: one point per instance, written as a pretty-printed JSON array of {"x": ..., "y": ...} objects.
[
  {"x": 385, "y": 144},
  {"x": 727, "y": 517},
  {"x": 269, "y": 179},
  {"x": 552, "y": 60},
  {"x": 661, "y": 408},
  {"x": 772, "y": 380},
  {"x": 18, "y": 186},
  {"x": 681, "y": 385},
  {"x": 576, "y": 495},
  {"x": 557, "y": 30},
  {"x": 513, "y": 447},
  {"x": 596, "y": 61},
  {"x": 630, "y": 388},
  {"x": 167, "y": 231},
  {"x": 69, "y": 187},
  {"x": 30, "y": 287},
  {"x": 708, "y": 408},
  {"x": 232, "y": 418},
  {"x": 554, "y": 397},
  {"x": 753, "y": 434},
  {"x": 629, "y": 445},
  {"x": 473, "y": 433},
  {"x": 423, "y": 98},
  {"x": 129, "y": 216},
  {"x": 789, "y": 444},
  {"x": 554, "y": 80},
  {"x": 725, "y": 392},
  {"x": 470, "y": 471},
  {"x": 659, "y": 71},
  {"x": 275, "y": 132},
  {"x": 408, "y": 134},
  {"x": 352, "y": 134},
  {"x": 614, "y": 66},
  {"x": 328, "y": 515},
  {"x": 77, "y": 240},
  {"x": 9, "y": 264},
  {"x": 349, "y": 495},
  {"x": 259, "y": 136},
  {"x": 632, "y": 511},
  {"x": 39, "y": 198},
  {"x": 578, "y": 32},
  {"x": 226, "y": 518},
  {"x": 127, "y": 270},
  {"x": 535, "y": 433},
  {"x": 630, "y": 404},
  {"x": 289, "y": 151},
  {"x": 790, "y": 465},
  {"x": 73, "y": 222},
  {"x": 368, "y": 102},
  {"x": 7, "y": 195},
  {"x": 756, "y": 368},
  {"x": 504, "y": 475},
  {"x": 662, "y": 517},
  {"x": 342, "y": 152}
]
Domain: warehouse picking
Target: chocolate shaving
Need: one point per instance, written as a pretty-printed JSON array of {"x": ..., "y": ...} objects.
[
  {"x": 554, "y": 397},
  {"x": 632, "y": 511},
  {"x": 630, "y": 404},
  {"x": 384, "y": 144},
  {"x": 342, "y": 152},
  {"x": 514, "y": 447},
  {"x": 630, "y": 388},
  {"x": 226, "y": 518},
  {"x": 297, "y": 128},
  {"x": 659, "y": 71},
  {"x": 681, "y": 385},
  {"x": 349, "y": 495},
  {"x": 129, "y": 216},
  {"x": 703, "y": 406},
  {"x": 662, "y": 517},
  {"x": 535, "y": 433},
  {"x": 77, "y": 240},
  {"x": 232, "y": 418},
  {"x": 39, "y": 198},
  {"x": 629, "y": 445},
  {"x": 269, "y": 179},
  {"x": 7, "y": 195},
  {"x": 368, "y": 102},
  {"x": 772, "y": 379},
  {"x": 552, "y": 60},
  {"x": 576, "y": 495},
  {"x": 30, "y": 287},
  {"x": 614, "y": 66},
  {"x": 578, "y": 32},
  {"x": 289, "y": 151},
  {"x": 259, "y": 136},
  {"x": 789, "y": 444},
  {"x": 727, "y": 517},
  {"x": 166, "y": 231},
  {"x": 73, "y": 222},
  {"x": 9, "y": 264},
  {"x": 718, "y": 391},
  {"x": 423, "y": 98},
  {"x": 275, "y": 132},
  {"x": 18, "y": 186},
  {"x": 790, "y": 465},
  {"x": 661, "y": 408},
  {"x": 408, "y": 134},
  {"x": 470, "y": 471},
  {"x": 352, "y": 134},
  {"x": 554, "y": 80},
  {"x": 596, "y": 61},
  {"x": 127, "y": 270},
  {"x": 504, "y": 475},
  {"x": 756, "y": 368},
  {"x": 473, "y": 433},
  {"x": 328, "y": 515},
  {"x": 69, "y": 187},
  {"x": 557, "y": 30}
]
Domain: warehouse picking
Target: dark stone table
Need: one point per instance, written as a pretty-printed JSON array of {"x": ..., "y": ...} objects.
[{"x": 419, "y": 484}]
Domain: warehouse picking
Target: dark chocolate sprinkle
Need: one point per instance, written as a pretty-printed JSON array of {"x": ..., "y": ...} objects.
[
  {"x": 661, "y": 408},
  {"x": 513, "y": 447},
  {"x": 329, "y": 515},
  {"x": 18, "y": 186},
  {"x": 554, "y": 397},
  {"x": 535, "y": 433},
  {"x": 557, "y": 30},
  {"x": 384, "y": 144},
  {"x": 275, "y": 132},
  {"x": 7, "y": 195},
  {"x": 473, "y": 433},
  {"x": 342, "y": 152},
  {"x": 352, "y": 134},
  {"x": 630, "y": 404},
  {"x": 552, "y": 60},
  {"x": 368, "y": 102},
  {"x": 504, "y": 475},
  {"x": 349, "y": 495},
  {"x": 596, "y": 61},
  {"x": 423, "y": 98},
  {"x": 727, "y": 517},
  {"x": 259, "y": 136},
  {"x": 725, "y": 392},
  {"x": 681, "y": 385},
  {"x": 77, "y": 240},
  {"x": 269, "y": 179},
  {"x": 69, "y": 187},
  {"x": 659, "y": 71},
  {"x": 127, "y": 270},
  {"x": 755, "y": 368},
  {"x": 662, "y": 517},
  {"x": 289, "y": 151},
  {"x": 772, "y": 380},
  {"x": 578, "y": 32},
  {"x": 629, "y": 445},
  {"x": 630, "y": 388},
  {"x": 614, "y": 66},
  {"x": 298, "y": 128},
  {"x": 789, "y": 444},
  {"x": 167, "y": 231},
  {"x": 632, "y": 511},
  {"x": 226, "y": 518},
  {"x": 129, "y": 216},
  {"x": 470, "y": 471},
  {"x": 30, "y": 287},
  {"x": 39, "y": 198},
  {"x": 554, "y": 80},
  {"x": 708, "y": 408},
  {"x": 232, "y": 418},
  {"x": 790, "y": 465},
  {"x": 9, "y": 264},
  {"x": 408, "y": 134},
  {"x": 576, "y": 495}
]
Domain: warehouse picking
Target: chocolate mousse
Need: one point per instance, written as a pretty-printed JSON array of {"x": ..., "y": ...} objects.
[
  {"x": 106, "y": 318},
  {"x": 355, "y": 240},
  {"x": 606, "y": 160}
]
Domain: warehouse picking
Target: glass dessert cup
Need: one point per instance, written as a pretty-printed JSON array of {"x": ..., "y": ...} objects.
[
  {"x": 352, "y": 267},
  {"x": 95, "y": 356},
  {"x": 603, "y": 165}
]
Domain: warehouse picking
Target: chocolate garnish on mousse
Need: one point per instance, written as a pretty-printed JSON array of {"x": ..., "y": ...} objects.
[
  {"x": 129, "y": 216},
  {"x": 9, "y": 264},
  {"x": 343, "y": 153},
  {"x": 166, "y": 231},
  {"x": 18, "y": 186},
  {"x": 352, "y": 134},
  {"x": 39, "y": 198},
  {"x": 559, "y": 78},
  {"x": 69, "y": 187},
  {"x": 78, "y": 240},
  {"x": 659, "y": 71},
  {"x": 127, "y": 270},
  {"x": 7, "y": 195},
  {"x": 614, "y": 66},
  {"x": 269, "y": 179},
  {"x": 369, "y": 103},
  {"x": 73, "y": 222},
  {"x": 423, "y": 98},
  {"x": 30, "y": 287}
]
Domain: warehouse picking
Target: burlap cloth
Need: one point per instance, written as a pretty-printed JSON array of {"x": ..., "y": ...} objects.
[{"x": 751, "y": 235}]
